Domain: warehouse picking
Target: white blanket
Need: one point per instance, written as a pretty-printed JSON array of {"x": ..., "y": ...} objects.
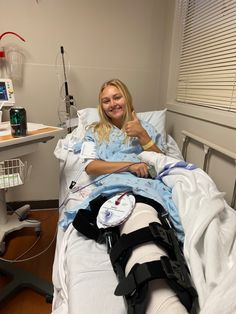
[{"x": 210, "y": 233}]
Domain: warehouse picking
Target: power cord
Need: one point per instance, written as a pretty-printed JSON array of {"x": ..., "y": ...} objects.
[{"x": 18, "y": 260}]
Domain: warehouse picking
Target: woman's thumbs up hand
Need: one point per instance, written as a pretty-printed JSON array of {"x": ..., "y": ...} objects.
[{"x": 134, "y": 128}]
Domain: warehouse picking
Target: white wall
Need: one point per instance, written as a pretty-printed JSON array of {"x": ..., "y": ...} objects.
[{"x": 103, "y": 39}]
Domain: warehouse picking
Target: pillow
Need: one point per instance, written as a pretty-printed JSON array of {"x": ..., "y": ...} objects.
[
  {"x": 88, "y": 115},
  {"x": 156, "y": 118}
]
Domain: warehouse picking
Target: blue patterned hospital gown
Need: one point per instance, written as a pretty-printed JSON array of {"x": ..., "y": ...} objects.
[{"x": 117, "y": 149}]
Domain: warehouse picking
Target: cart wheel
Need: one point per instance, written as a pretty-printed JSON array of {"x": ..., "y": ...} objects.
[
  {"x": 49, "y": 298},
  {"x": 23, "y": 217},
  {"x": 37, "y": 231},
  {"x": 2, "y": 248}
]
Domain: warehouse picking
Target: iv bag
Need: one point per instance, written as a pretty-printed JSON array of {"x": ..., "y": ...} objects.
[{"x": 15, "y": 64}]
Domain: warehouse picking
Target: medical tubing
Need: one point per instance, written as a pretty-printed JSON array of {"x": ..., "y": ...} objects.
[
  {"x": 105, "y": 176},
  {"x": 30, "y": 248},
  {"x": 11, "y": 33},
  {"x": 16, "y": 260},
  {"x": 95, "y": 181},
  {"x": 73, "y": 183},
  {"x": 117, "y": 202}
]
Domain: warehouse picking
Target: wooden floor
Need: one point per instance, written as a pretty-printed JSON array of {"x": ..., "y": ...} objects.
[{"x": 27, "y": 301}]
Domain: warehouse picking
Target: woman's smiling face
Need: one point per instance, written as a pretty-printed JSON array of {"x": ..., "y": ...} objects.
[{"x": 113, "y": 104}]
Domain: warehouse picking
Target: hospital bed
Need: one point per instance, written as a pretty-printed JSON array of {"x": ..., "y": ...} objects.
[{"x": 83, "y": 278}]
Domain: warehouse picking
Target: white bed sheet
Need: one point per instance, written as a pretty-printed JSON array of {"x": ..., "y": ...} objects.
[{"x": 83, "y": 278}]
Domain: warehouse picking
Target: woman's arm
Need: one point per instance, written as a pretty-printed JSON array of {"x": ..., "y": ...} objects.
[
  {"x": 100, "y": 167},
  {"x": 147, "y": 143}
]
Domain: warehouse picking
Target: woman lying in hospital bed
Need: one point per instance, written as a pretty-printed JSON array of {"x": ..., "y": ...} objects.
[{"x": 123, "y": 149}]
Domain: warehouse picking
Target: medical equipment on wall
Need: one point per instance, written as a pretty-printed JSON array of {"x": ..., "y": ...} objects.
[
  {"x": 11, "y": 60},
  {"x": 67, "y": 112},
  {"x": 7, "y": 96}
]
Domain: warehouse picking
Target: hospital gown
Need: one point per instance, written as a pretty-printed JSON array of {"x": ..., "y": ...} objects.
[{"x": 121, "y": 148}]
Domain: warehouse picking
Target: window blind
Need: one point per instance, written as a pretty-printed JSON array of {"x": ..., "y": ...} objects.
[{"x": 207, "y": 69}]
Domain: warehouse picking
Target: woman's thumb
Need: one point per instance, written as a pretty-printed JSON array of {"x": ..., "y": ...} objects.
[{"x": 134, "y": 116}]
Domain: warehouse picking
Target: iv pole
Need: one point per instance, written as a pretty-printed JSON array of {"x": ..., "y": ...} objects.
[{"x": 68, "y": 97}]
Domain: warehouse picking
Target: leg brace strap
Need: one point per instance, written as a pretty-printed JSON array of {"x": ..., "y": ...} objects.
[
  {"x": 154, "y": 232},
  {"x": 173, "y": 268},
  {"x": 85, "y": 219},
  {"x": 141, "y": 274}
]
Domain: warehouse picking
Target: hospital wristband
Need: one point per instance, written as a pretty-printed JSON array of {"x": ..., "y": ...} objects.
[{"x": 148, "y": 145}]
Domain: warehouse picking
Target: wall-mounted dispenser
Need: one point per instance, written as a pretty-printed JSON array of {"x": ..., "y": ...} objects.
[{"x": 11, "y": 60}]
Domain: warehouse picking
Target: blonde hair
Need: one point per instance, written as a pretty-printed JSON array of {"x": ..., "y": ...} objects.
[{"x": 103, "y": 127}]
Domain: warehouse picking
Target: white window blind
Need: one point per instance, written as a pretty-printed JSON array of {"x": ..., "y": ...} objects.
[{"x": 207, "y": 69}]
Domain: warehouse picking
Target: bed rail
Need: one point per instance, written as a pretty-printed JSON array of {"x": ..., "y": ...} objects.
[{"x": 208, "y": 147}]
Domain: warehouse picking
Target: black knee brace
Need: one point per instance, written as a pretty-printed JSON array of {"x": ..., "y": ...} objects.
[{"x": 172, "y": 268}]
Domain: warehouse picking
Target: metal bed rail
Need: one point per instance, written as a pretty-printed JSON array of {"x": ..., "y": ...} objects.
[{"x": 208, "y": 147}]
